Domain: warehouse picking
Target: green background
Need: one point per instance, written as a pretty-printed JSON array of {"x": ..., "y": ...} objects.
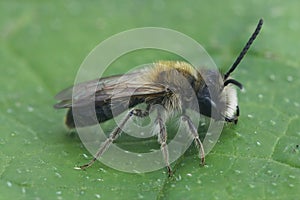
[{"x": 42, "y": 45}]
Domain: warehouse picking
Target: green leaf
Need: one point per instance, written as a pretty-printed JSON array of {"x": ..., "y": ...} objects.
[{"x": 42, "y": 45}]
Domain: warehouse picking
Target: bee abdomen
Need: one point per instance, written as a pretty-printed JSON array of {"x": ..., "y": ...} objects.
[{"x": 85, "y": 115}]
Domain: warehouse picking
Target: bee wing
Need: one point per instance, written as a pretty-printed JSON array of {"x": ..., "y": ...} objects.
[
  {"x": 87, "y": 88},
  {"x": 104, "y": 89}
]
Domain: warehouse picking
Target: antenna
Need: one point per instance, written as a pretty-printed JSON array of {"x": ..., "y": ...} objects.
[{"x": 245, "y": 49}]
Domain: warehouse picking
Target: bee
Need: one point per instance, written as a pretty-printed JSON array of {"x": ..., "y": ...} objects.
[{"x": 166, "y": 83}]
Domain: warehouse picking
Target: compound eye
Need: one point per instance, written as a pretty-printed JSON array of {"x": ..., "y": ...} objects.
[{"x": 211, "y": 102}]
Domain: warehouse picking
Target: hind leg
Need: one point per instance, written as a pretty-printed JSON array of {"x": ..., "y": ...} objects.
[{"x": 115, "y": 134}]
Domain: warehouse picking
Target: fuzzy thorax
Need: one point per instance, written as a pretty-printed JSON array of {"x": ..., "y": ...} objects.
[{"x": 179, "y": 80}]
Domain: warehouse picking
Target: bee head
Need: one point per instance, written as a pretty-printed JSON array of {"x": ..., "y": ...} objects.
[{"x": 217, "y": 98}]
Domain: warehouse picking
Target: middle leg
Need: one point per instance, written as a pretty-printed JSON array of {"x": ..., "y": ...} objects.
[{"x": 162, "y": 138}]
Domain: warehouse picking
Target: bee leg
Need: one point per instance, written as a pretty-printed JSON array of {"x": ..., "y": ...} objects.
[
  {"x": 193, "y": 131},
  {"x": 162, "y": 138},
  {"x": 114, "y": 135},
  {"x": 237, "y": 114},
  {"x": 237, "y": 111}
]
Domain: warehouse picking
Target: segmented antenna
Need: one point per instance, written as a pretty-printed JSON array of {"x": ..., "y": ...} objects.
[{"x": 245, "y": 49}]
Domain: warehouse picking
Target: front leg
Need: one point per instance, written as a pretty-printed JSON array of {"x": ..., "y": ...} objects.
[{"x": 193, "y": 131}]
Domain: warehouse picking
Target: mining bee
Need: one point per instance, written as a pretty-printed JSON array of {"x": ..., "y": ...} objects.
[{"x": 166, "y": 83}]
